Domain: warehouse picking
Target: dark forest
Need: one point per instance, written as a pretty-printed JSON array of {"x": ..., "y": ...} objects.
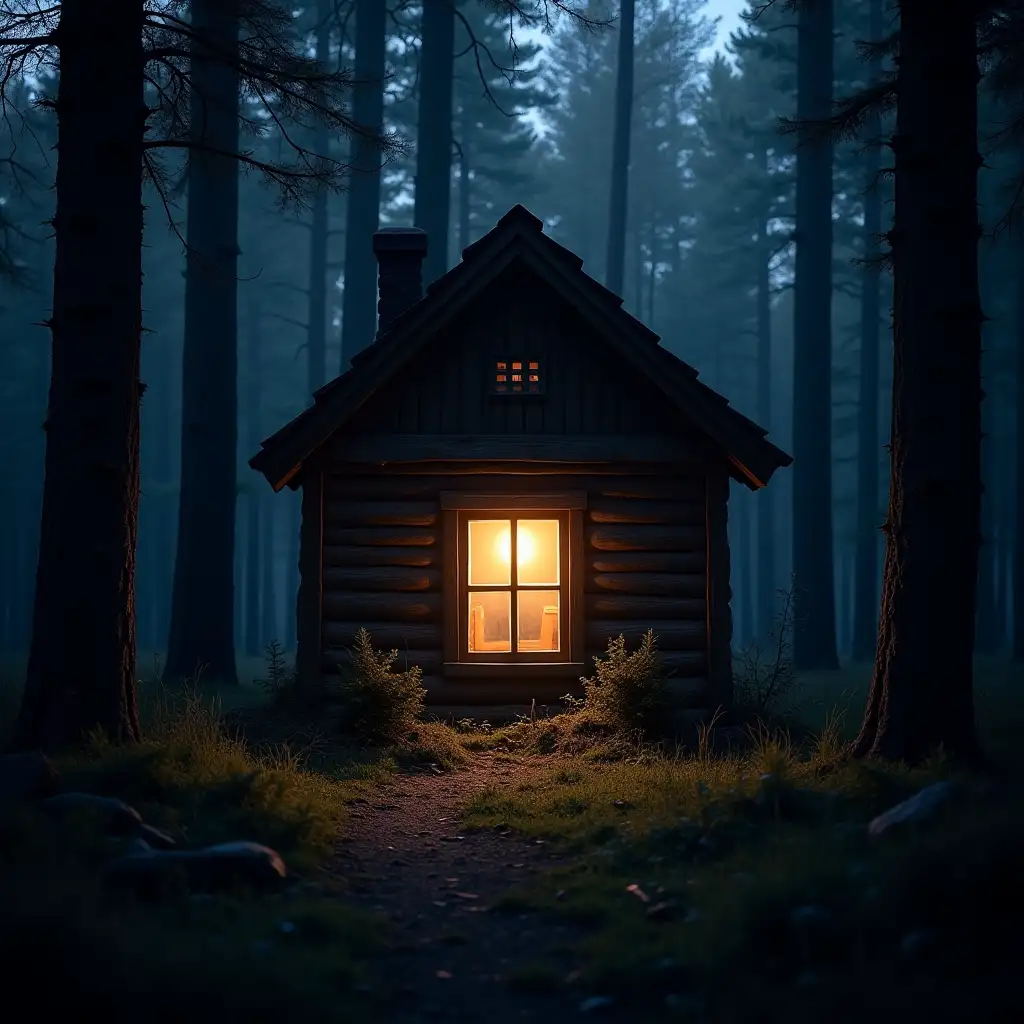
[{"x": 269, "y": 275}]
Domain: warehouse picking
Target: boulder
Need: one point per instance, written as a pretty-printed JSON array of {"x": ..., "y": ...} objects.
[
  {"x": 26, "y": 776},
  {"x": 208, "y": 868},
  {"x": 155, "y": 838},
  {"x": 108, "y": 812},
  {"x": 922, "y": 805}
]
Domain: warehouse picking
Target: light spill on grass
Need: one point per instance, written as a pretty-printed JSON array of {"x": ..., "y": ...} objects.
[{"x": 730, "y": 890}]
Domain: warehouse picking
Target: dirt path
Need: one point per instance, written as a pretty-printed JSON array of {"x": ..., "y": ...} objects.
[{"x": 403, "y": 856}]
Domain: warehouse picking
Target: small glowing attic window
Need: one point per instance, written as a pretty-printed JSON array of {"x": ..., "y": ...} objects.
[{"x": 516, "y": 377}]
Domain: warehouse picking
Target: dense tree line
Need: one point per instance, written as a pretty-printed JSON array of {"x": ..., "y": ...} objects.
[{"x": 738, "y": 202}]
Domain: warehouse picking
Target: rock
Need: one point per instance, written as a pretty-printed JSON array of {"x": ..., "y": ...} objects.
[
  {"x": 922, "y": 805},
  {"x": 208, "y": 868},
  {"x": 26, "y": 776},
  {"x": 595, "y": 1003},
  {"x": 112, "y": 814},
  {"x": 155, "y": 838}
]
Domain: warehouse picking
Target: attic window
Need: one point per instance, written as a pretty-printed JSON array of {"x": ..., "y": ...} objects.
[{"x": 516, "y": 377}]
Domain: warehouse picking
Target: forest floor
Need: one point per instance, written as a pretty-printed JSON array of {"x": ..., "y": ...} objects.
[
  {"x": 535, "y": 872},
  {"x": 453, "y": 954}
]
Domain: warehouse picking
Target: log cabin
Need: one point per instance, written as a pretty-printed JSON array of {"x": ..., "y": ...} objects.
[{"x": 511, "y": 473}]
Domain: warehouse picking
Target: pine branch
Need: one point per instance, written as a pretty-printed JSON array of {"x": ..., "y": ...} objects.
[{"x": 850, "y": 114}]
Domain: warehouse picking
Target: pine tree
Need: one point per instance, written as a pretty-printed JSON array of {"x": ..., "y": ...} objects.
[
  {"x": 81, "y": 671},
  {"x": 494, "y": 87}
]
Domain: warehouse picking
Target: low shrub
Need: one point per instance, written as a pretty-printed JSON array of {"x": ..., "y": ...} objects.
[
  {"x": 764, "y": 677},
  {"x": 378, "y": 703},
  {"x": 628, "y": 690},
  {"x": 280, "y": 683}
]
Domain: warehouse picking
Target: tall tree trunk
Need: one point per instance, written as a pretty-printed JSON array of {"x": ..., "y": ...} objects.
[
  {"x": 202, "y": 612},
  {"x": 165, "y": 499},
  {"x": 292, "y": 570},
  {"x": 1005, "y": 511},
  {"x": 614, "y": 276},
  {"x": 637, "y": 248},
  {"x": 316, "y": 294},
  {"x": 359, "y": 302},
  {"x": 814, "y": 644},
  {"x": 743, "y": 566},
  {"x": 921, "y": 694},
  {"x": 255, "y": 498},
  {"x": 238, "y": 581},
  {"x": 434, "y": 134},
  {"x": 465, "y": 184},
  {"x": 81, "y": 666},
  {"x": 268, "y": 595},
  {"x": 652, "y": 275},
  {"x": 987, "y": 636},
  {"x": 1018, "y": 533},
  {"x": 765, "y": 612},
  {"x": 865, "y": 600}
]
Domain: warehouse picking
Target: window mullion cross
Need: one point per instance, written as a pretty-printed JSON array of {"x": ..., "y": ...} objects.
[{"x": 513, "y": 579}]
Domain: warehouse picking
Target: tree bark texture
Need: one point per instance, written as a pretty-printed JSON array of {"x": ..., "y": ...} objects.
[
  {"x": 765, "y": 612},
  {"x": 434, "y": 134},
  {"x": 921, "y": 693},
  {"x": 359, "y": 305},
  {"x": 202, "y": 613},
  {"x": 619, "y": 195},
  {"x": 865, "y": 599},
  {"x": 814, "y": 643},
  {"x": 81, "y": 667}
]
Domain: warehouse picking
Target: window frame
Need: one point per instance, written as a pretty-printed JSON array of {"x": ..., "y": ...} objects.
[
  {"x": 458, "y": 510},
  {"x": 496, "y": 390}
]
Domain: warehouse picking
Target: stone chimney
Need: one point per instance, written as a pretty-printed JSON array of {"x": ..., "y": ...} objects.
[{"x": 399, "y": 253}]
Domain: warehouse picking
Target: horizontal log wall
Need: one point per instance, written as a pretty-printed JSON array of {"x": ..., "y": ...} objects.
[
  {"x": 646, "y": 551},
  {"x": 645, "y": 555},
  {"x": 381, "y": 569}
]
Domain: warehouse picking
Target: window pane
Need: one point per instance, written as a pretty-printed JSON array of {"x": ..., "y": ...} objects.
[
  {"x": 490, "y": 552},
  {"x": 537, "y": 551},
  {"x": 490, "y": 621},
  {"x": 537, "y": 629}
]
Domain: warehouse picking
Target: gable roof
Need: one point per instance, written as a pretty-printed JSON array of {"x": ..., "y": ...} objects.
[{"x": 518, "y": 236}]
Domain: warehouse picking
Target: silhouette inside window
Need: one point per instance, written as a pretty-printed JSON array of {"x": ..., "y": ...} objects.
[{"x": 516, "y": 377}]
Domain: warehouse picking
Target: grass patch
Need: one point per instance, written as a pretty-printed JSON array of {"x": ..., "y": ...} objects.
[
  {"x": 431, "y": 745},
  {"x": 257, "y": 958},
  {"x": 744, "y": 887},
  {"x": 117, "y": 959},
  {"x": 194, "y": 778}
]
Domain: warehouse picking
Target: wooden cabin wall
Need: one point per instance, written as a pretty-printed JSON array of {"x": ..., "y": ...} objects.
[
  {"x": 645, "y": 552},
  {"x": 587, "y": 389}
]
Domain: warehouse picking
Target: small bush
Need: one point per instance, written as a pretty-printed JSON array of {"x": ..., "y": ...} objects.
[
  {"x": 764, "y": 680},
  {"x": 628, "y": 690},
  {"x": 379, "y": 703},
  {"x": 280, "y": 682}
]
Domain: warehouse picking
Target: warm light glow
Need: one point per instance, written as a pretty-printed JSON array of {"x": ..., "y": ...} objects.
[
  {"x": 524, "y": 618},
  {"x": 526, "y": 546}
]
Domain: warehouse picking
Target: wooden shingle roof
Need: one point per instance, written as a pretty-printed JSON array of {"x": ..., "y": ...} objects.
[{"x": 518, "y": 236}]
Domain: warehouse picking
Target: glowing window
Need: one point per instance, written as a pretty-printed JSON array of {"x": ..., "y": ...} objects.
[
  {"x": 517, "y": 377},
  {"x": 515, "y": 572}
]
